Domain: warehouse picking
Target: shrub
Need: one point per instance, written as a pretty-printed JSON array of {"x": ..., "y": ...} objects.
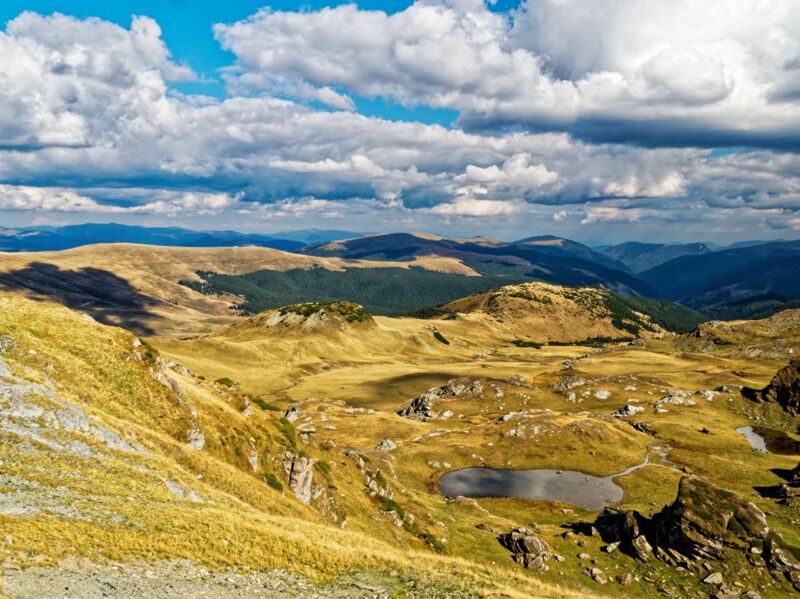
[
  {"x": 264, "y": 405},
  {"x": 441, "y": 338},
  {"x": 273, "y": 481}
]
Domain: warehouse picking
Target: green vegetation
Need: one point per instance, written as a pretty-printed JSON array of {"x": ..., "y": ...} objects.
[
  {"x": 441, "y": 338},
  {"x": 286, "y": 428},
  {"x": 226, "y": 382},
  {"x": 264, "y": 405},
  {"x": 523, "y": 343},
  {"x": 669, "y": 315},
  {"x": 150, "y": 354},
  {"x": 761, "y": 306},
  {"x": 273, "y": 481},
  {"x": 385, "y": 291}
]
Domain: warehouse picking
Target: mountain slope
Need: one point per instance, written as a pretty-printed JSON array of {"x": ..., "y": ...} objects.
[
  {"x": 558, "y": 246},
  {"x": 729, "y": 275},
  {"x": 542, "y": 312},
  {"x": 639, "y": 257},
  {"x": 109, "y": 453},
  {"x": 553, "y": 260},
  {"x": 138, "y": 286}
]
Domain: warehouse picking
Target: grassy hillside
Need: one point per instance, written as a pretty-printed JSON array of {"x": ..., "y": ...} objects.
[
  {"x": 380, "y": 290},
  {"x": 103, "y": 460},
  {"x": 550, "y": 259},
  {"x": 630, "y": 314},
  {"x": 760, "y": 306},
  {"x": 137, "y": 286}
]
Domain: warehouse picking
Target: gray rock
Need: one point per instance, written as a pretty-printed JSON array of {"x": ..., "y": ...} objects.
[
  {"x": 628, "y": 410},
  {"x": 386, "y": 445},
  {"x": 300, "y": 472},
  {"x": 714, "y": 579}
]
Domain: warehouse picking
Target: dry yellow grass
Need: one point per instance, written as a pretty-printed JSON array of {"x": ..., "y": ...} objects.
[{"x": 348, "y": 380}]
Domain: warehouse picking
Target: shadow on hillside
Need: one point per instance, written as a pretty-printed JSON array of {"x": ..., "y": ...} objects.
[{"x": 101, "y": 294}]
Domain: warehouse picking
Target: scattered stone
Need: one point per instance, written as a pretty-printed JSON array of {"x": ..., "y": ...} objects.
[
  {"x": 625, "y": 579},
  {"x": 714, "y": 579},
  {"x": 386, "y": 445},
  {"x": 628, "y": 410},
  {"x": 599, "y": 576},
  {"x": 602, "y": 394},
  {"x": 611, "y": 547}
]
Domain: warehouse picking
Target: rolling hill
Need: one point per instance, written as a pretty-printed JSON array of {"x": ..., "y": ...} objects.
[
  {"x": 549, "y": 259},
  {"x": 639, "y": 257},
  {"x": 138, "y": 286}
]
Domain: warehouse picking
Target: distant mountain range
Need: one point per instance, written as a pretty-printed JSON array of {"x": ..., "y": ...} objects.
[
  {"x": 742, "y": 280},
  {"x": 550, "y": 259},
  {"x": 38, "y": 239},
  {"x": 731, "y": 275},
  {"x": 639, "y": 257}
]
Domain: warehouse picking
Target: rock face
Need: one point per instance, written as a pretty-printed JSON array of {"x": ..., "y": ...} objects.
[
  {"x": 421, "y": 407},
  {"x": 528, "y": 549},
  {"x": 300, "y": 472},
  {"x": 704, "y": 523},
  {"x": 784, "y": 388}
]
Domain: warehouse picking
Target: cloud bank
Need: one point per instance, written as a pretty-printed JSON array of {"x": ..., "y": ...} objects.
[{"x": 574, "y": 114}]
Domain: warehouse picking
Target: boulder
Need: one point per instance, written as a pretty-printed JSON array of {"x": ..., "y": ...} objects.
[
  {"x": 528, "y": 549},
  {"x": 386, "y": 445},
  {"x": 420, "y": 408},
  {"x": 784, "y": 388}
]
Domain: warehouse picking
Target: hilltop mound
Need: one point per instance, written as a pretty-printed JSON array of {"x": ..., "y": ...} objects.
[
  {"x": 543, "y": 312},
  {"x": 776, "y": 337},
  {"x": 311, "y": 317}
]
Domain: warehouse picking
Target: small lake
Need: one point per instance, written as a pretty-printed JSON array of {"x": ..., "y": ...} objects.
[
  {"x": 566, "y": 486},
  {"x": 769, "y": 440}
]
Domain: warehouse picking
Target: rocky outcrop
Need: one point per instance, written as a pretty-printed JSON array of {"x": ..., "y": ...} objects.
[
  {"x": 628, "y": 410},
  {"x": 783, "y": 389},
  {"x": 300, "y": 473},
  {"x": 527, "y": 549},
  {"x": 703, "y": 524},
  {"x": 789, "y": 492},
  {"x": 421, "y": 407}
]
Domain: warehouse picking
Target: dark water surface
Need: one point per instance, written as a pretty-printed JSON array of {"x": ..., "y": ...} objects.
[{"x": 566, "y": 486}]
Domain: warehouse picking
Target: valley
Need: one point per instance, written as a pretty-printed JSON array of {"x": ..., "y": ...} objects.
[{"x": 307, "y": 446}]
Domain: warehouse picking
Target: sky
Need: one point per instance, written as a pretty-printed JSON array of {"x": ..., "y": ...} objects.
[{"x": 598, "y": 120}]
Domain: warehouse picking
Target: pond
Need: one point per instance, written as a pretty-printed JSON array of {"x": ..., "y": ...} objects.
[
  {"x": 769, "y": 440},
  {"x": 566, "y": 486}
]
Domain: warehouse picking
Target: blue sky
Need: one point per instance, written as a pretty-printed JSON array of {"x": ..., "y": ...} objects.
[{"x": 592, "y": 119}]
